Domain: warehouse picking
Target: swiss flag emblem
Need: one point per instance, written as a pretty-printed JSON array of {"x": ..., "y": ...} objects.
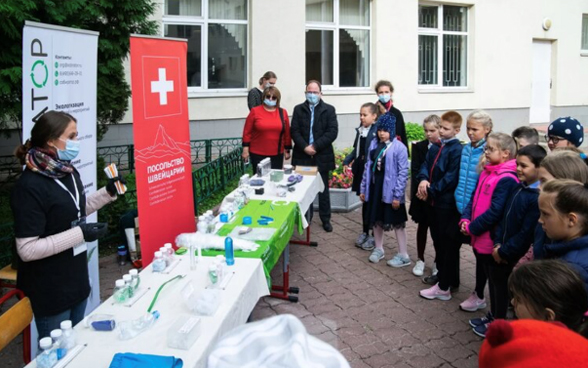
[{"x": 161, "y": 86}]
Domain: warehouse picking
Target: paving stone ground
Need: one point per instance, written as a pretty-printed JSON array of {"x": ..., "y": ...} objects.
[{"x": 370, "y": 312}]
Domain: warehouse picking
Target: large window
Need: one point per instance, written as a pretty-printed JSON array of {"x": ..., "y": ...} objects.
[
  {"x": 338, "y": 42},
  {"x": 216, "y": 31},
  {"x": 585, "y": 33},
  {"x": 443, "y": 46}
]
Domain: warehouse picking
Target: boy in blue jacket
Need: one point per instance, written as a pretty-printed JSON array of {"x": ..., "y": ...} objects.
[
  {"x": 438, "y": 179},
  {"x": 514, "y": 234}
]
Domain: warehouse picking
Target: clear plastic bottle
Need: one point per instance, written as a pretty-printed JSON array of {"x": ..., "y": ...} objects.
[
  {"x": 193, "y": 258},
  {"x": 136, "y": 279},
  {"x": 129, "y": 329},
  {"x": 213, "y": 275},
  {"x": 48, "y": 357},
  {"x": 121, "y": 293},
  {"x": 202, "y": 225},
  {"x": 57, "y": 337},
  {"x": 165, "y": 256},
  {"x": 158, "y": 262},
  {"x": 170, "y": 250},
  {"x": 128, "y": 279},
  {"x": 69, "y": 335},
  {"x": 220, "y": 262}
]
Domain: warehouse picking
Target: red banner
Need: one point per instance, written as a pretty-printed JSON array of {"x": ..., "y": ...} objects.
[{"x": 162, "y": 142}]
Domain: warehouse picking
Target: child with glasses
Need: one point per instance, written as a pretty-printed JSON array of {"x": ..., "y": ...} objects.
[
  {"x": 382, "y": 187},
  {"x": 564, "y": 132}
]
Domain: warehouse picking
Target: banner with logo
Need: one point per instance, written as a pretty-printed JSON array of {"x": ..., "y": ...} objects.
[
  {"x": 162, "y": 141},
  {"x": 59, "y": 69}
]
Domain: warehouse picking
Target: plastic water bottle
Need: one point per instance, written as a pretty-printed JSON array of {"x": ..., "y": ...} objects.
[
  {"x": 122, "y": 255},
  {"x": 129, "y": 329},
  {"x": 136, "y": 279},
  {"x": 48, "y": 358},
  {"x": 57, "y": 337},
  {"x": 69, "y": 335},
  {"x": 170, "y": 251},
  {"x": 202, "y": 225},
  {"x": 128, "y": 279},
  {"x": 121, "y": 293},
  {"x": 165, "y": 256},
  {"x": 229, "y": 255},
  {"x": 158, "y": 262}
]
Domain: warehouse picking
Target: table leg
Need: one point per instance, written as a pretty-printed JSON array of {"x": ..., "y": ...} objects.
[
  {"x": 283, "y": 291},
  {"x": 307, "y": 241}
]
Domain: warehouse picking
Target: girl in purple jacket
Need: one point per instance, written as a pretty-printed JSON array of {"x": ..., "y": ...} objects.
[{"x": 382, "y": 187}]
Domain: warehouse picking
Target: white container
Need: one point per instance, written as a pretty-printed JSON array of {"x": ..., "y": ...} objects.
[
  {"x": 48, "y": 358},
  {"x": 184, "y": 332},
  {"x": 69, "y": 336},
  {"x": 158, "y": 262}
]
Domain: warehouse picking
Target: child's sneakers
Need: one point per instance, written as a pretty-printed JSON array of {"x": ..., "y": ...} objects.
[
  {"x": 481, "y": 330},
  {"x": 399, "y": 261},
  {"x": 362, "y": 238},
  {"x": 369, "y": 244},
  {"x": 419, "y": 268},
  {"x": 435, "y": 292},
  {"x": 473, "y": 303},
  {"x": 376, "y": 255},
  {"x": 475, "y": 322}
]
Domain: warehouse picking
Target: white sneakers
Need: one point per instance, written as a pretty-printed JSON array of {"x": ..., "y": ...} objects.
[{"x": 419, "y": 268}]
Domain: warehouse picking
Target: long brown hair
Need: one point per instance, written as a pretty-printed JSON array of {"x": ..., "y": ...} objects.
[
  {"x": 267, "y": 76},
  {"x": 50, "y": 125},
  {"x": 555, "y": 285}
]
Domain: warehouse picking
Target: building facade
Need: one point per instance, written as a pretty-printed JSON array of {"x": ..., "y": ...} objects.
[{"x": 524, "y": 61}]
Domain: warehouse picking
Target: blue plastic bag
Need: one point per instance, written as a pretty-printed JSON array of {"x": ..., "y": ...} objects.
[{"x": 131, "y": 360}]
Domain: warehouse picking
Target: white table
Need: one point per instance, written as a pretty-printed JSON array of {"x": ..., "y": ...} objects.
[
  {"x": 304, "y": 195},
  {"x": 238, "y": 300}
]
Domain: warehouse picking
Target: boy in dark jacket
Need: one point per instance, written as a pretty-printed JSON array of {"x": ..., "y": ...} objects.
[{"x": 438, "y": 179}]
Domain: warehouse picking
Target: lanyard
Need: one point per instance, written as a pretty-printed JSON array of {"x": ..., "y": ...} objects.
[
  {"x": 76, "y": 199},
  {"x": 382, "y": 153}
]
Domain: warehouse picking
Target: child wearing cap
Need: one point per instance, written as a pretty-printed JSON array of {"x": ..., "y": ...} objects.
[
  {"x": 564, "y": 132},
  {"x": 382, "y": 187}
]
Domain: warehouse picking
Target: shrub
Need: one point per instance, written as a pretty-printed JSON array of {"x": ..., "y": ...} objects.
[{"x": 414, "y": 132}]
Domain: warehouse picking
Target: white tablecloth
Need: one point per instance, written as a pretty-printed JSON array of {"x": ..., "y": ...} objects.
[
  {"x": 304, "y": 195},
  {"x": 238, "y": 300}
]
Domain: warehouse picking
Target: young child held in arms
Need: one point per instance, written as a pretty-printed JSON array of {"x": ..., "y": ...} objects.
[
  {"x": 438, "y": 179},
  {"x": 418, "y": 209},
  {"x": 484, "y": 211},
  {"x": 383, "y": 185},
  {"x": 366, "y": 132},
  {"x": 563, "y": 205},
  {"x": 550, "y": 290},
  {"x": 514, "y": 234}
]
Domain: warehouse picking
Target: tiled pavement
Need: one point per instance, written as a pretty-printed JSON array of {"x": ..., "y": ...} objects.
[{"x": 370, "y": 312}]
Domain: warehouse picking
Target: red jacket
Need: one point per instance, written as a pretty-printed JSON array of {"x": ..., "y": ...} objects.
[{"x": 265, "y": 134}]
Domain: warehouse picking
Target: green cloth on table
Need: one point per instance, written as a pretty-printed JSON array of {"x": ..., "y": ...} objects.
[{"x": 286, "y": 218}]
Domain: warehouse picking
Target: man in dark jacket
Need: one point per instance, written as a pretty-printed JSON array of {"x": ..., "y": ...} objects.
[{"x": 314, "y": 128}]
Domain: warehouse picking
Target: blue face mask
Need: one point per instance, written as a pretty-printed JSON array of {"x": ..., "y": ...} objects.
[
  {"x": 312, "y": 98},
  {"x": 270, "y": 103},
  {"x": 384, "y": 98},
  {"x": 72, "y": 148}
]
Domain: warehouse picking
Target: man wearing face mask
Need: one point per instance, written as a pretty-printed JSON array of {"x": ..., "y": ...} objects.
[
  {"x": 314, "y": 129},
  {"x": 50, "y": 207}
]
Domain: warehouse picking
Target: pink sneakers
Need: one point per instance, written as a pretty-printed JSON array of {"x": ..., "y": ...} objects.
[
  {"x": 435, "y": 293},
  {"x": 473, "y": 303}
]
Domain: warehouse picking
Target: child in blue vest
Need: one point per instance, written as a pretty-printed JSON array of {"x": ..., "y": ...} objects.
[{"x": 383, "y": 185}]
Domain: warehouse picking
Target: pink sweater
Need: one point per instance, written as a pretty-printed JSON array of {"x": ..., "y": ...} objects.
[{"x": 482, "y": 201}]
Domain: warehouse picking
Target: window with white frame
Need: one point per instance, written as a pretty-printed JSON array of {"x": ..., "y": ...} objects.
[
  {"x": 443, "y": 46},
  {"x": 338, "y": 42},
  {"x": 585, "y": 33},
  {"x": 216, "y": 31}
]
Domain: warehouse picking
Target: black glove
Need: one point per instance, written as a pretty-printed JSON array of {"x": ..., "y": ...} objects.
[
  {"x": 94, "y": 231},
  {"x": 111, "y": 188}
]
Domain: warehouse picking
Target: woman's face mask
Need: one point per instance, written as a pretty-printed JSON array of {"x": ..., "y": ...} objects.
[{"x": 71, "y": 151}]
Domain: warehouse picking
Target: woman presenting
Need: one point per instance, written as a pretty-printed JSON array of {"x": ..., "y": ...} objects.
[
  {"x": 49, "y": 208},
  {"x": 267, "y": 131}
]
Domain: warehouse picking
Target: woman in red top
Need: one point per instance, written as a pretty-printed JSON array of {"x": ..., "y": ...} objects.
[{"x": 267, "y": 131}]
